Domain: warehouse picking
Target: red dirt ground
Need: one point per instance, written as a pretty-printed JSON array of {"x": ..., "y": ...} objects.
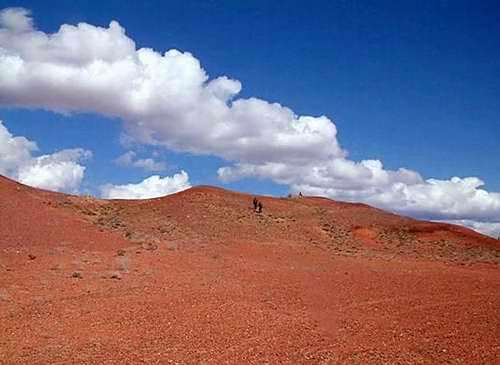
[{"x": 200, "y": 278}]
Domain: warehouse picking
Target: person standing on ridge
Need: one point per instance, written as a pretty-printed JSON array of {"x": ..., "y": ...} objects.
[{"x": 259, "y": 206}]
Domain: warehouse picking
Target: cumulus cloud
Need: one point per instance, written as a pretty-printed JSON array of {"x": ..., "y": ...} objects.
[
  {"x": 452, "y": 199},
  {"x": 152, "y": 187},
  {"x": 60, "y": 171},
  {"x": 490, "y": 229},
  {"x": 167, "y": 99},
  {"x": 16, "y": 19},
  {"x": 460, "y": 200},
  {"x": 148, "y": 164}
]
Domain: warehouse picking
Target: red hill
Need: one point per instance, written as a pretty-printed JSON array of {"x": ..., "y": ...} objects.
[{"x": 199, "y": 277}]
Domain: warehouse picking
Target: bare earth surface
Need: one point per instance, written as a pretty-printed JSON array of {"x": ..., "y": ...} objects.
[{"x": 200, "y": 278}]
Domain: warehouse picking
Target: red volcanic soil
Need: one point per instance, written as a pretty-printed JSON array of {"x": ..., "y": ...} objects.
[{"x": 200, "y": 278}]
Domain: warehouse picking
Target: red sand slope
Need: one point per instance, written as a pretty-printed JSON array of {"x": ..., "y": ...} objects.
[{"x": 198, "y": 277}]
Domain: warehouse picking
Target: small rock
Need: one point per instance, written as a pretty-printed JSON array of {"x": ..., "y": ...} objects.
[
  {"x": 149, "y": 246},
  {"x": 116, "y": 276},
  {"x": 77, "y": 275}
]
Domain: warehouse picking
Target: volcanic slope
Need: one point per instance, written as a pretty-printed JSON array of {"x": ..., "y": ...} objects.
[{"x": 199, "y": 277}]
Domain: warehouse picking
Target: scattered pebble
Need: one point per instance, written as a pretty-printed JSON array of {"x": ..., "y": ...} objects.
[{"x": 77, "y": 275}]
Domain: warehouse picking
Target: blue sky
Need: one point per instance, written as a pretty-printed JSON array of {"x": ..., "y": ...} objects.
[{"x": 414, "y": 84}]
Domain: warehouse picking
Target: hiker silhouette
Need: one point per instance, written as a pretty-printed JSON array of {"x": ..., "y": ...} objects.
[{"x": 259, "y": 207}]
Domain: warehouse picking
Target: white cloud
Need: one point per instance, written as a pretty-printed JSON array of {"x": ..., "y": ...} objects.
[
  {"x": 402, "y": 191},
  {"x": 16, "y": 19},
  {"x": 152, "y": 187},
  {"x": 490, "y": 229},
  {"x": 169, "y": 100},
  {"x": 430, "y": 199},
  {"x": 165, "y": 99},
  {"x": 148, "y": 164},
  {"x": 59, "y": 171},
  {"x": 14, "y": 151}
]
